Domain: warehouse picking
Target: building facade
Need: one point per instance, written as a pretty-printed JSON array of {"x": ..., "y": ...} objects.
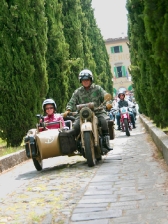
[{"x": 119, "y": 57}]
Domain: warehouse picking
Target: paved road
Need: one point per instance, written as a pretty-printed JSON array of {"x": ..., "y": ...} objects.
[{"x": 128, "y": 186}]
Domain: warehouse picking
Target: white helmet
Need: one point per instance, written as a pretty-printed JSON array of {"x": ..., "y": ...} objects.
[
  {"x": 121, "y": 92},
  {"x": 85, "y": 74},
  {"x": 49, "y": 101}
]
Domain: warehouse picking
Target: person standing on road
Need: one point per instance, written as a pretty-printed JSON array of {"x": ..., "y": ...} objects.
[
  {"x": 89, "y": 92},
  {"x": 124, "y": 103}
]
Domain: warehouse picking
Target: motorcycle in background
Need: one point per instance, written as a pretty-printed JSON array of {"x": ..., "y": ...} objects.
[
  {"x": 125, "y": 120},
  {"x": 111, "y": 114},
  {"x": 111, "y": 122},
  {"x": 133, "y": 111}
]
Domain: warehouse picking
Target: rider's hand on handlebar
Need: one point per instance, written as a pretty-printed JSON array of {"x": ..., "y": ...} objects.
[
  {"x": 108, "y": 106},
  {"x": 66, "y": 113}
]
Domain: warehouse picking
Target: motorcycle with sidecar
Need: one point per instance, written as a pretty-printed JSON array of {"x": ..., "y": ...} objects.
[{"x": 49, "y": 143}]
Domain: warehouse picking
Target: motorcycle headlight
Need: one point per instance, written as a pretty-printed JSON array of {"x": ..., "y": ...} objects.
[{"x": 85, "y": 113}]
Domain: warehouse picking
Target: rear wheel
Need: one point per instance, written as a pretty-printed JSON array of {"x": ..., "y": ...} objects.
[
  {"x": 38, "y": 163},
  {"x": 126, "y": 127},
  {"x": 89, "y": 148}
]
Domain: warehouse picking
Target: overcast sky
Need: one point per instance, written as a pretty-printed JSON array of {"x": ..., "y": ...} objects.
[{"x": 111, "y": 17}]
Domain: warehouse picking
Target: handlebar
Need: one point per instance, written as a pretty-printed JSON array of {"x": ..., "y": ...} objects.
[{"x": 44, "y": 124}]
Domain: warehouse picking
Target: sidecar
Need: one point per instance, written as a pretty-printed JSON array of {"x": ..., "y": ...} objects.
[{"x": 48, "y": 143}]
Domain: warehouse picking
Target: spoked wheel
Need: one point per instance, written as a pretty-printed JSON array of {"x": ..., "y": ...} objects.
[
  {"x": 89, "y": 148},
  {"x": 126, "y": 127},
  {"x": 38, "y": 163}
]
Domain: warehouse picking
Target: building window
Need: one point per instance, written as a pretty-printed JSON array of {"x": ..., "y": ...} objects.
[
  {"x": 120, "y": 71},
  {"x": 116, "y": 49}
]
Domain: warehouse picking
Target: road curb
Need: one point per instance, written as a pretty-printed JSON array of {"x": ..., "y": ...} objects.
[
  {"x": 13, "y": 159},
  {"x": 159, "y": 137}
]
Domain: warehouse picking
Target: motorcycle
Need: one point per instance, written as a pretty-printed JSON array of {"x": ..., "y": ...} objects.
[
  {"x": 90, "y": 137},
  {"x": 111, "y": 123},
  {"x": 134, "y": 111},
  {"x": 125, "y": 120},
  {"x": 111, "y": 114},
  {"x": 49, "y": 143}
]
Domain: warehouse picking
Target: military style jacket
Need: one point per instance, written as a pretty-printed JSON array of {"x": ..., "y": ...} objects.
[{"x": 81, "y": 96}]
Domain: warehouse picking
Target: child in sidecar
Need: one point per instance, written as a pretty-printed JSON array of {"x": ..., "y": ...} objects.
[{"x": 49, "y": 107}]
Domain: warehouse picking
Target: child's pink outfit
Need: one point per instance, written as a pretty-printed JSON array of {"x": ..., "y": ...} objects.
[{"x": 52, "y": 118}]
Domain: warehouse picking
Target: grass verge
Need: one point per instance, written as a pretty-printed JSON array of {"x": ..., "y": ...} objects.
[{"x": 5, "y": 151}]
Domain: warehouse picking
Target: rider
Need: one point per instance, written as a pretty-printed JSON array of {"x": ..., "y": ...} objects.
[
  {"x": 124, "y": 103},
  {"x": 49, "y": 107},
  {"x": 89, "y": 92}
]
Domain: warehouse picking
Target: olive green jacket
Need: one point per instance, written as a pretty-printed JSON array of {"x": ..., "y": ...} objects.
[{"x": 81, "y": 96}]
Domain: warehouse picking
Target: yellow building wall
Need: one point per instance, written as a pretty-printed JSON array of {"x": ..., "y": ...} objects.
[{"x": 119, "y": 59}]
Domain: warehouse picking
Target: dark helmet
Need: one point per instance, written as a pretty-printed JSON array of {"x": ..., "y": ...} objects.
[
  {"x": 49, "y": 101},
  {"x": 121, "y": 93},
  {"x": 85, "y": 74}
]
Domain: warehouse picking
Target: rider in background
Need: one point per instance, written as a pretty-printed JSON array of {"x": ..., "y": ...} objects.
[
  {"x": 124, "y": 103},
  {"x": 89, "y": 92},
  {"x": 49, "y": 107}
]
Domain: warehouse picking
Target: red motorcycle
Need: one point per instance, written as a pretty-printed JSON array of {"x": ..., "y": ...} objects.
[{"x": 125, "y": 120}]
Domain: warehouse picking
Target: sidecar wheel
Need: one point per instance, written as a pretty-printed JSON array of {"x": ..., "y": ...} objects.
[
  {"x": 89, "y": 148},
  {"x": 126, "y": 127},
  {"x": 38, "y": 163}
]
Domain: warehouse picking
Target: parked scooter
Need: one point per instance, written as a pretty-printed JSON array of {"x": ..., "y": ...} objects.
[
  {"x": 125, "y": 120},
  {"x": 49, "y": 143}
]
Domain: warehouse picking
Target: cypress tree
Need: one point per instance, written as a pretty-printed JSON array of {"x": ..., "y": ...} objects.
[
  {"x": 72, "y": 13},
  {"x": 22, "y": 66},
  {"x": 57, "y": 56},
  {"x": 140, "y": 56},
  {"x": 98, "y": 56},
  {"x": 148, "y": 48},
  {"x": 156, "y": 24}
]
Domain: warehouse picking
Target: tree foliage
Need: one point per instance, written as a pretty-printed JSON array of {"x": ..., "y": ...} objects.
[
  {"x": 57, "y": 55},
  {"x": 147, "y": 33},
  {"x": 43, "y": 47},
  {"x": 23, "y": 66}
]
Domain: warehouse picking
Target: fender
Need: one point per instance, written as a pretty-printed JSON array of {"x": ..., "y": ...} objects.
[
  {"x": 125, "y": 116},
  {"x": 87, "y": 126}
]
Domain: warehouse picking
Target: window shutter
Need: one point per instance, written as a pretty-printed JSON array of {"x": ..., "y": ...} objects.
[
  {"x": 115, "y": 72},
  {"x": 112, "y": 50},
  {"x": 120, "y": 47},
  {"x": 123, "y": 71}
]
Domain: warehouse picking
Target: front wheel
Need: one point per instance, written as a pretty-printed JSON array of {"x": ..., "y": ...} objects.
[
  {"x": 126, "y": 127},
  {"x": 89, "y": 148},
  {"x": 38, "y": 163}
]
